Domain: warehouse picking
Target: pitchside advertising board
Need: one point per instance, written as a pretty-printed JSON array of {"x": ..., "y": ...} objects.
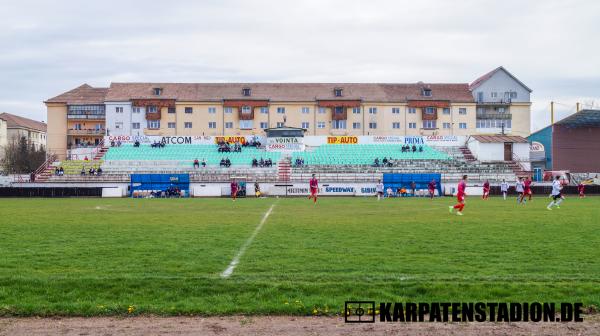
[
  {"x": 181, "y": 140},
  {"x": 285, "y": 144},
  {"x": 292, "y": 144}
]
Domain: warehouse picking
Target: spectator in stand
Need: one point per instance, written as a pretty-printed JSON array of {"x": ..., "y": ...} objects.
[
  {"x": 196, "y": 164},
  {"x": 384, "y": 161},
  {"x": 136, "y": 143},
  {"x": 227, "y": 163},
  {"x": 222, "y": 163},
  {"x": 254, "y": 163},
  {"x": 420, "y": 148},
  {"x": 61, "y": 171},
  {"x": 376, "y": 162},
  {"x": 118, "y": 143},
  {"x": 92, "y": 171},
  {"x": 261, "y": 162},
  {"x": 56, "y": 171},
  {"x": 82, "y": 171},
  {"x": 414, "y": 148},
  {"x": 86, "y": 158},
  {"x": 203, "y": 163},
  {"x": 99, "y": 171}
]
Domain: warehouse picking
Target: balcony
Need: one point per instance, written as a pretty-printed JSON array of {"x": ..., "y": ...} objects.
[
  {"x": 498, "y": 116},
  {"x": 95, "y": 132},
  {"x": 81, "y": 116}
]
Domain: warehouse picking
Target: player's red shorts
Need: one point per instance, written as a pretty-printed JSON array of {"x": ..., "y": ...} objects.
[
  {"x": 233, "y": 192},
  {"x": 431, "y": 191},
  {"x": 460, "y": 198},
  {"x": 486, "y": 191},
  {"x": 313, "y": 191},
  {"x": 527, "y": 191}
]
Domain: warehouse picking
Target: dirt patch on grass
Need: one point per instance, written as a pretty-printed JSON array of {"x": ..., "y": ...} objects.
[{"x": 276, "y": 325}]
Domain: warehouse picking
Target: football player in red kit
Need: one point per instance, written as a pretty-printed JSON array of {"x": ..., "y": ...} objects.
[
  {"x": 486, "y": 190},
  {"x": 234, "y": 189},
  {"x": 431, "y": 188},
  {"x": 460, "y": 196},
  {"x": 526, "y": 190},
  {"x": 581, "y": 189},
  {"x": 314, "y": 188}
]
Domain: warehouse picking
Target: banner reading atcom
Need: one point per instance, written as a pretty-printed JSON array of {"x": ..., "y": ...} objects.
[{"x": 343, "y": 140}]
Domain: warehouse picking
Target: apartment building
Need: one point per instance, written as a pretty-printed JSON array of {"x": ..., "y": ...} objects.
[
  {"x": 81, "y": 117},
  {"x": 13, "y": 127}
]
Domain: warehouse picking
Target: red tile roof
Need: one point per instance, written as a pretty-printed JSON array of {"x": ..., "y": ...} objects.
[
  {"x": 15, "y": 121},
  {"x": 83, "y": 94},
  {"x": 499, "y": 138},
  {"x": 290, "y": 92}
]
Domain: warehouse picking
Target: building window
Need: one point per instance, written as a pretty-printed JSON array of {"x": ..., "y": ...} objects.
[
  {"x": 480, "y": 110},
  {"x": 280, "y": 124},
  {"x": 320, "y": 124},
  {"x": 305, "y": 125},
  {"x": 136, "y": 109},
  {"x": 494, "y": 94},
  {"x": 228, "y": 110},
  {"x": 446, "y": 110},
  {"x": 187, "y": 124},
  {"x": 479, "y": 97},
  {"x": 281, "y": 110},
  {"x": 412, "y": 125},
  {"x": 322, "y": 110},
  {"x": 462, "y": 110},
  {"x": 157, "y": 91},
  {"x": 212, "y": 110},
  {"x": 462, "y": 125},
  {"x": 189, "y": 110},
  {"x": 430, "y": 110},
  {"x": 429, "y": 124},
  {"x": 119, "y": 109},
  {"x": 153, "y": 124},
  {"x": 337, "y": 92},
  {"x": 338, "y": 124},
  {"x": 246, "y": 92},
  {"x": 77, "y": 127},
  {"x": 305, "y": 110},
  {"x": 372, "y": 125},
  {"x": 264, "y": 125},
  {"x": 119, "y": 125},
  {"x": 372, "y": 110},
  {"x": 171, "y": 125},
  {"x": 152, "y": 109},
  {"x": 427, "y": 92},
  {"x": 446, "y": 125},
  {"x": 356, "y": 125},
  {"x": 135, "y": 125},
  {"x": 396, "y": 125},
  {"x": 246, "y": 109},
  {"x": 212, "y": 124},
  {"x": 412, "y": 110},
  {"x": 501, "y": 110},
  {"x": 264, "y": 110},
  {"x": 172, "y": 110},
  {"x": 395, "y": 110},
  {"x": 356, "y": 110},
  {"x": 513, "y": 95},
  {"x": 229, "y": 124},
  {"x": 246, "y": 124}
]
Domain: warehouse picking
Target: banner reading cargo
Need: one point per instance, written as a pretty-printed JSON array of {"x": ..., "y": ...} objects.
[
  {"x": 342, "y": 140},
  {"x": 285, "y": 144}
]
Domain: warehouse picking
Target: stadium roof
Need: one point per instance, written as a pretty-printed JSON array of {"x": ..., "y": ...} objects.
[
  {"x": 583, "y": 118},
  {"x": 499, "y": 138},
  {"x": 15, "y": 121}
]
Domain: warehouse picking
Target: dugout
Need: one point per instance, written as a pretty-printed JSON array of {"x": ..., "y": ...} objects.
[
  {"x": 397, "y": 181},
  {"x": 144, "y": 184}
]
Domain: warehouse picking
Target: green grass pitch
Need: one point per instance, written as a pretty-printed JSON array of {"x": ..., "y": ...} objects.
[{"x": 165, "y": 256}]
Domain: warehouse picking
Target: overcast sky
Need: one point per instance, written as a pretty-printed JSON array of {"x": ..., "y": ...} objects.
[{"x": 48, "y": 47}]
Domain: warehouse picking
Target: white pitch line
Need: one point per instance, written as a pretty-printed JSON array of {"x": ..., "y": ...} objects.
[{"x": 229, "y": 270}]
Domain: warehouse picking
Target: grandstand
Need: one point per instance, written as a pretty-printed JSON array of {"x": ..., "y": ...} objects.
[{"x": 332, "y": 163}]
